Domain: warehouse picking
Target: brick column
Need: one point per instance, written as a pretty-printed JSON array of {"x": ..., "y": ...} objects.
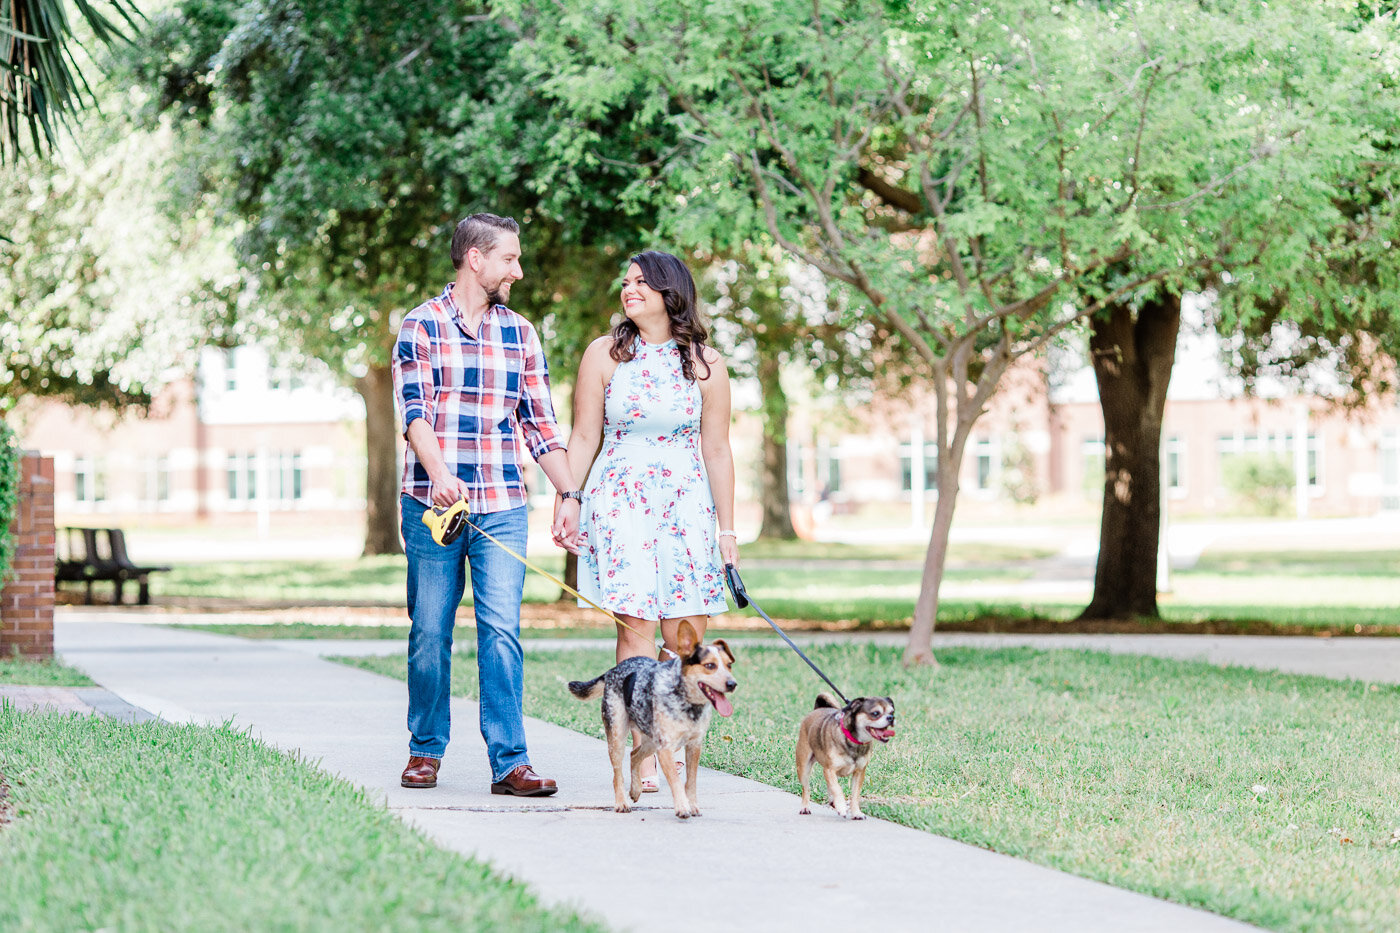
[{"x": 26, "y": 602}]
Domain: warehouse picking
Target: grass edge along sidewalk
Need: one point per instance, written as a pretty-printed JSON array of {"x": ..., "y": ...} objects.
[
  {"x": 171, "y": 827},
  {"x": 1266, "y": 797}
]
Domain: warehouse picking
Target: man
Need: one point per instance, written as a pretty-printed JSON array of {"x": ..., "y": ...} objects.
[{"x": 467, "y": 371}]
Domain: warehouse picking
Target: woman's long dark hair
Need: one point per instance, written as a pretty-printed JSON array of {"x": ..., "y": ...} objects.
[{"x": 666, "y": 274}]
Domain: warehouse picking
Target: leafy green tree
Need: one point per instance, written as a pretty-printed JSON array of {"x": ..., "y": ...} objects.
[
  {"x": 1303, "y": 280},
  {"x": 345, "y": 138},
  {"x": 108, "y": 297},
  {"x": 751, "y": 299},
  {"x": 985, "y": 176},
  {"x": 774, "y": 316}
]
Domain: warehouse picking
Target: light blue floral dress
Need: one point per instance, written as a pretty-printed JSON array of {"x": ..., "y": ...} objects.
[{"x": 648, "y": 544}]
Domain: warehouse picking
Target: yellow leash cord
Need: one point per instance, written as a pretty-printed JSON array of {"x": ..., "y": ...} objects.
[{"x": 551, "y": 577}]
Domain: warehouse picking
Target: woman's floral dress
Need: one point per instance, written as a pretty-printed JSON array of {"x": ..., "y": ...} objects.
[{"x": 648, "y": 546}]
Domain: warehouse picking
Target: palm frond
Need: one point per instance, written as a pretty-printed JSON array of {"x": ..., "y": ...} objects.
[{"x": 42, "y": 86}]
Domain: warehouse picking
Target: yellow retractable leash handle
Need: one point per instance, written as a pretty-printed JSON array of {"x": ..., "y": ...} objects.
[{"x": 447, "y": 525}]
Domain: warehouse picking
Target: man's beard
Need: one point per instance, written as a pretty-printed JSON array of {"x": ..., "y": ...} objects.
[{"x": 498, "y": 293}]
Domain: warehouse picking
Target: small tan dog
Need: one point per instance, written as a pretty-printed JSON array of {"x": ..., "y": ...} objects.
[{"x": 840, "y": 737}]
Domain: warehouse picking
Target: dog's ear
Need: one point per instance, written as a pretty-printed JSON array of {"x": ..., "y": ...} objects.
[
  {"x": 723, "y": 645},
  {"x": 686, "y": 639}
]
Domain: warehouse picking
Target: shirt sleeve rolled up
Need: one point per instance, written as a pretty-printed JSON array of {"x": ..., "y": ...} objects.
[
  {"x": 413, "y": 373},
  {"x": 536, "y": 409}
]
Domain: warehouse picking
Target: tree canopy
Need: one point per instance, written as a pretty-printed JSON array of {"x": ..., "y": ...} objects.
[
  {"x": 344, "y": 139},
  {"x": 108, "y": 295},
  {"x": 983, "y": 176}
]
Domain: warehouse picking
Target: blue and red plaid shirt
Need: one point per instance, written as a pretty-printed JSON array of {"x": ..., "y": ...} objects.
[{"x": 474, "y": 390}]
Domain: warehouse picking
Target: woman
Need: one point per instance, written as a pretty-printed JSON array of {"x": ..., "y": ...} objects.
[{"x": 656, "y": 399}]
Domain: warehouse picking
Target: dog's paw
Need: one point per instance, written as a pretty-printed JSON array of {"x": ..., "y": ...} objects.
[
  {"x": 804, "y": 812},
  {"x": 857, "y": 816},
  {"x": 635, "y": 793},
  {"x": 683, "y": 814}
]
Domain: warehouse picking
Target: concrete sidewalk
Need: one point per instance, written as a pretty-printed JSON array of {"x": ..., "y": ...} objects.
[{"x": 751, "y": 853}]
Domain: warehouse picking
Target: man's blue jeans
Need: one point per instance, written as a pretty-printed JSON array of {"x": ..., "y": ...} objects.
[{"x": 436, "y": 581}]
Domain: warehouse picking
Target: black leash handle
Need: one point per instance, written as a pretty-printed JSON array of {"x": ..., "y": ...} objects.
[{"x": 741, "y": 599}]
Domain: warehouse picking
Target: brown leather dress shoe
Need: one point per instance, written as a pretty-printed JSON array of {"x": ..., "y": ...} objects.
[
  {"x": 421, "y": 772},
  {"x": 524, "y": 782}
]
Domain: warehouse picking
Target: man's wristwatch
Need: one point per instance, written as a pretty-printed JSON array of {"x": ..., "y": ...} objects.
[{"x": 575, "y": 494}]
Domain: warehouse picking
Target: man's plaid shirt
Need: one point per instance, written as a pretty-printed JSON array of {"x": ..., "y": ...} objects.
[{"x": 474, "y": 390}]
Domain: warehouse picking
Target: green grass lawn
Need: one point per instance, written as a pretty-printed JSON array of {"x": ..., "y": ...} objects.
[
  {"x": 42, "y": 674},
  {"x": 463, "y": 632},
  {"x": 825, "y": 583},
  {"x": 163, "y": 827},
  {"x": 1271, "y": 798},
  {"x": 380, "y": 580}
]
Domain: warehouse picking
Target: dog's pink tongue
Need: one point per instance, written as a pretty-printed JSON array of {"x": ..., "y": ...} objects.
[{"x": 718, "y": 700}]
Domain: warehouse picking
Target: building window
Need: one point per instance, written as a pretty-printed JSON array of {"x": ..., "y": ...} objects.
[
  {"x": 826, "y": 462},
  {"x": 1275, "y": 446},
  {"x": 1314, "y": 463},
  {"x": 1092, "y": 466},
  {"x": 833, "y": 474},
  {"x": 89, "y": 480},
  {"x": 230, "y": 371},
  {"x": 287, "y": 476},
  {"x": 906, "y": 467},
  {"x": 233, "y": 472},
  {"x": 984, "y": 451},
  {"x": 157, "y": 479},
  {"x": 1390, "y": 470},
  {"x": 242, "y": 473},
  {"x": 1174, "y": 464}
]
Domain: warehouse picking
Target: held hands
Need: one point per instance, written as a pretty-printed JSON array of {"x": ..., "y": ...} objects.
[{"x": 565, "y": 526}]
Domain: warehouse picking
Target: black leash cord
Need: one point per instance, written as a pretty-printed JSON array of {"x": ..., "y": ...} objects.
[{"x": 741, "y": 599}]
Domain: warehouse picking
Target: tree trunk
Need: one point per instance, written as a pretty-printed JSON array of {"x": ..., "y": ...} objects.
[
  {"x": 969, "y": 407},
  {"x": 919, "y": 649},
  {"x": 777, "y": 506},
  {"x": 376, "y": 387},
  {"x": 1132, "y": 359}
]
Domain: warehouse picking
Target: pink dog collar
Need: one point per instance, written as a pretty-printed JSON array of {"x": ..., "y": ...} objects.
[{"x": 850, "y": 738}]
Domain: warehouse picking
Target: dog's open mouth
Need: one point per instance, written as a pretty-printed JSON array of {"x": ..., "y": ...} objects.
[
  {"x": 718, "y": 700},
  {"x": 884, "y": 735}
]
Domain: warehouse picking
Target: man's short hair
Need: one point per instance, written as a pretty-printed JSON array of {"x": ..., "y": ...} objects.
[{"x": 479, "y": 231}]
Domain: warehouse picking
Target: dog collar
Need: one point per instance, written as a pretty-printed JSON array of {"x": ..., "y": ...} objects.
[{"x": 850, "y": 738}]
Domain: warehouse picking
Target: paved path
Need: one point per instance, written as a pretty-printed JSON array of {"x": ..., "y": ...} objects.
[
  {"x": 751, "y": 853},
  {"x": 84, "y": 700}
]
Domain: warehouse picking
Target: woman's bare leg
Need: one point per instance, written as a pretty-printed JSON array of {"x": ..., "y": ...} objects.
[{"x": 631, "y": 644}]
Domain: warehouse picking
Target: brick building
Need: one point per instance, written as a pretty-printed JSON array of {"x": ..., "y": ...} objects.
[{"x": 247, "y": 443}]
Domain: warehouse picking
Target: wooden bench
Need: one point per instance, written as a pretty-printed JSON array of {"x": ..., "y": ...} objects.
[{"x": 88, "y": 555}]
